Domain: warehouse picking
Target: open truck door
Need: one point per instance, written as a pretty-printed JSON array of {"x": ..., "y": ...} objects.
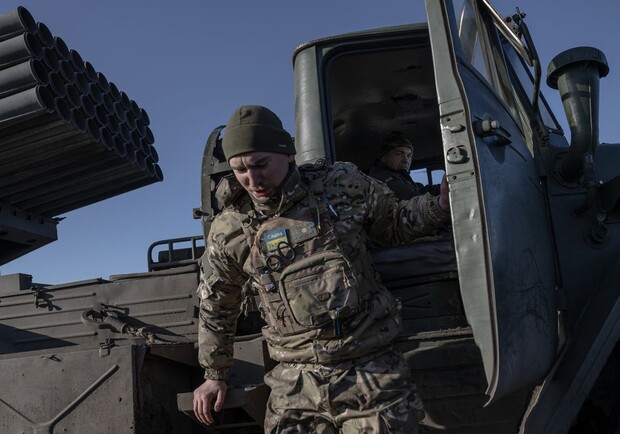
[{"x": 497, "y": 198}]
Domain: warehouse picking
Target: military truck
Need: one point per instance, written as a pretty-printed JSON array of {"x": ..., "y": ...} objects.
[{"x": 511, "y": 319}]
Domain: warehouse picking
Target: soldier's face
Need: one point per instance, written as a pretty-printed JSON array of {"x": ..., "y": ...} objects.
[
  {"x": 398, "y": 158},
  {"x": 260, "y": 173}
]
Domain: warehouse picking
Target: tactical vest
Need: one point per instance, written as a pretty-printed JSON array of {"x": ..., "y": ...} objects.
[{"x": 305, "y": 279}]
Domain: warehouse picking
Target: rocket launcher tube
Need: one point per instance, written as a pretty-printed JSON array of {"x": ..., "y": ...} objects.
[
  {"x": 22, "y": 76},
  {"x": 27, "y": 103},
  {"x": 19, "y": 49},
  {"x": 15, "y": 23}
]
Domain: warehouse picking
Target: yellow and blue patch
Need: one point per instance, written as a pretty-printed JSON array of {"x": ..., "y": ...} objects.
[{"x": 272, "y": 239}]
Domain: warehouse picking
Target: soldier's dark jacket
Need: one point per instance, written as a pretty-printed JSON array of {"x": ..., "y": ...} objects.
[
  {"x": 354, "y": 209},
  {"x": 400, "y": 182}
]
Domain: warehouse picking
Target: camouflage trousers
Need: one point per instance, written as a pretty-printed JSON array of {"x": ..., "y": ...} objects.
[{"x": 366, "y": 396}]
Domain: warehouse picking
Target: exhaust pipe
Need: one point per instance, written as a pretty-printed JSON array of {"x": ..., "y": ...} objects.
[{"x": 576, "y": 74}]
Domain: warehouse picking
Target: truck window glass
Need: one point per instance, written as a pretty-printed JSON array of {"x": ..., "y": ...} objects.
[
  {"x": 427, "y": 175},
  {"x": 373, "y": 91},
  {"x": 526, "y": 82},
  {"x": 477, "y": 49},
  {"x": 470, "y": 36}
]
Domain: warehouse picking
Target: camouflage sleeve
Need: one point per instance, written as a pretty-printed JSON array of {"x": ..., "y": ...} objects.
[
  {"x": 220, "y": 289},
  {"x": 387, "y": 220},
  {"x": 392, "y": 221}
]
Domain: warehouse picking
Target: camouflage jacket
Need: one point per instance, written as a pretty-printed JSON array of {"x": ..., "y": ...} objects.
[{"x": 366, "y": 209}]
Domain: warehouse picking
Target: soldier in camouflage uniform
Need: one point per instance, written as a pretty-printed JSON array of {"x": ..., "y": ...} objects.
[{"x": 300, "y": 236}]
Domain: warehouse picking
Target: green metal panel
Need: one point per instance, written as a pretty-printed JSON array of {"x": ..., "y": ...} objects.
[
  {"x": 308, "y": 108},
  {"x": 54, "y": 316},
  {"x": 585, "y": 353},
  {"x": 500, "y": 226},
  {"x": 69, "y": 391}
]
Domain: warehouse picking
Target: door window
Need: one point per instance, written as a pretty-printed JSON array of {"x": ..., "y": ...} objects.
[{"x": 525, "y": 81}]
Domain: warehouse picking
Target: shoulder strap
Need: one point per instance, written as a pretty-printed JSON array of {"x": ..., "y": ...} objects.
[{"x": 313, "y": 174}]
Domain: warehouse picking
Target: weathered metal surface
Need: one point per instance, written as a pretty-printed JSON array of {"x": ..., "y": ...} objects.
[
  {"x": 56, "y": 316},
  {"x": 451, "y": 383},
  {"x": 84, "y": 391},
  {"x": 22, "y": 232},
  {"x": 108, "y": 388},
  {"x": 596, "y": 334},
  {"x": 507, "y": 279}
]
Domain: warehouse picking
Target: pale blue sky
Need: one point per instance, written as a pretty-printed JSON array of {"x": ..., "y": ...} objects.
[{"x": 191, "y": 63}]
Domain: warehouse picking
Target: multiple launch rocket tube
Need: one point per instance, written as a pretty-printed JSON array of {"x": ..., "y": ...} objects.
[
  {"x": 15, "y": 23},
  {"x": 68, "y": 136}
]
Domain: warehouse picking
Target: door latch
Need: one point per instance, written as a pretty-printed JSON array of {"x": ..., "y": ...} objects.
[{"x": 490, "y": 128}]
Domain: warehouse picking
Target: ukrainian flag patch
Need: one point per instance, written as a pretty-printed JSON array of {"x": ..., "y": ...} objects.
[{"x": 273, "y": 238}]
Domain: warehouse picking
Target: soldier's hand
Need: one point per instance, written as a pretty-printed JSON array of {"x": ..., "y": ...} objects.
[
  {"x": 444, "y": 190},
  {"x": 209, "y": 395}
]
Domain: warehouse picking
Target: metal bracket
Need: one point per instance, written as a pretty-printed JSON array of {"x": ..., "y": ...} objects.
[
  {"x": 197, "y": 213},
  {"x": 490, "y": 128},
  {"x": 104, "y": 347}
]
